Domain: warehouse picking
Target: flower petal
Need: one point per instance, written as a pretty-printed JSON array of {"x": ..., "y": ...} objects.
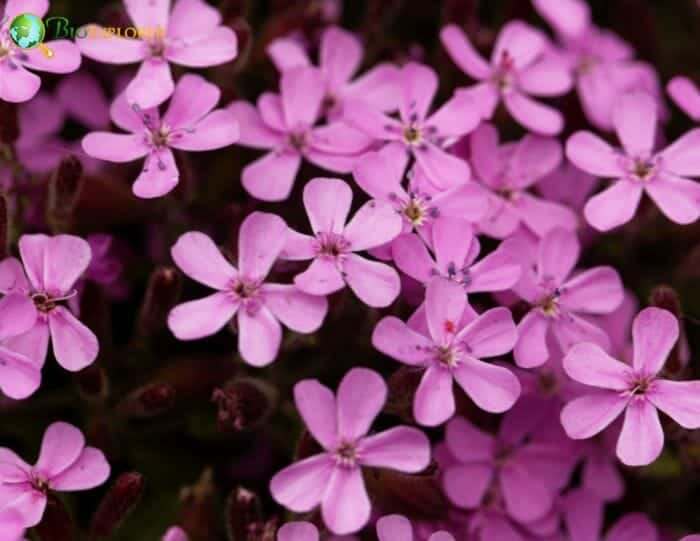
[
  {"x": 526, "y": 497},
  {"x": 104, "y": 46},
  {"x": 588, "y": 364},
  {"x": 531, "y": 349},
  {"x": 198, "y": 257},
  {"x": 588, "y": 415},
  {"x": 295, "y": 531},
  {"x": 253, "y": 131},
  {"x": 301, "y": 486},
  {"x": 216, "y": 130},
  {"x": 159, "y": 175},
  {"x": 465, "y": 485},
  {"x": 17, "y": 315},
  {"x": 443, "y": 170},
  {"x": 680, "y": 400},
  {"x": 17, "y": 85},
  {"x": 345, "y": 507},
  {"x": 271, "y": 177},
  {"x": 592, "y": 154},
  {"x": 192, "y": 18},
  {"x": 498, "y": 271},
  {"x": 614, "y": 206},
  {"x": 302, "y": 91},
  {"x": 493, "y": 388},
  {"x": 681, "y": 157},
  {"x": 678, "y": 198},
  {"x": 686, "y": 95},
  {"x": 635, "y": 117},
  {"x": 297, "y": 310},
  {"x": 394, "y": 338},
  {"x": 321, "y": 278},
  {"x": 317, "y": 406},
  {"x": 259, "y": 336},
  {"x": 594, "y": 291},
  {"x": 375, "y": 223},
  {"x": 340, "y": 56},
  {"x": 380, "y": 174},
  {"x": 152, "y": 85},
  {"x": 394, "y": 527},
  {"x": 115, "y": 147},
  {"x": 19, "y": 376},
  {"x": 90, "y": 470},
  {"x": 418, "y": 87},
  {"x": 402, "y": 448},
  {"x": 212, "y": 49},
  {"x": 434, "y": 402},
  {"x": 61, "y": 447},
  {"x": 467, "y": 443},
  {"x": 642, "y": 438},
  {"x": 633, "y": 527},
  {"x": 327, "y": 202},
  {"x": 531, "y": 114},
  {"x": 491, "y": 334},
  {"x": 74, "y": 345},
  {"x": 361, "y": 396},
  {"x": 197, "y": 319},
  {"x": 260, "y": 240},
  {"x": 654, "y": 333},
  {"x": 33, "y": 344},
  {"x": 521, "y": 42},
  {"x": 546, "y": 77},
  {"x": 445, "y": 303},
  {"x": 376, "y": 284},
  {"x": 463, "y": 52},
  {"x": 193, "y": 99}
]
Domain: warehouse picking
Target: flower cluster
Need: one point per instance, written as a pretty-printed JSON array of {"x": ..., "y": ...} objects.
[{"x": 506, "y": 378}]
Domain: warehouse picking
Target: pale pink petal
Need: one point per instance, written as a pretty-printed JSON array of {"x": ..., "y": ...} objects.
[
  {"x": 375, "y": 223},
  {"x": 302, "y": 91},
  {"x": 196, "y": 319},
  {"x": 614, "y": 206},
  {"x": 192, "y": 18},
  {"x": 33, "y": 344},
  {"x": 374, "y": 123},
  {"x": 401, "y": 448},
  {"x": 434, "y": 402},
  {"x": 457, "y": 116},
  {"x": 570, "y": 18},
  {"x": 17, "y": 7},
  {"x": 297, "y": 531},
  {"x": 492, "y": 388},
  {"x": 53, "y": 264},
  {"x": 542, "y": 216},
  {"x": 16, "y": 83},
  {"x": 533, "y": 158},
  {"x": 198, "y": 257},
  {"x": 485, "y": 155},
  {"x": 463, "y": 53},
  {"x": 17, "y": 315},
  {"x": 12, "y": 277},
  {"x": 526, "y": 497},
  {"x": 338, "y": 138},
  {"x": 297, "y": 310},
  {"x": 108, "y": 47},
  {"x": 680, "y": 400},
  {"x": 412, "y": 258},
  {"x": 271, "y": 177},
  {"x": 301, "y": 486},
  {"x": 19, "y": 376},
  {"x": 533, "y": 115},
  {"x": 115, "y": 147},
  {"x": 270, "y": 107},
  {"x": 445, "y": 302},
  {"x": 378, "y": 87},
  {"x": 444, "y": 170},
  {"x": 467, "y": 201},
  {"x": 317, "y": 406},
  {"x": 211, "y": 49},
  {"x": 74, "y": 345},
  {"x": 84, "y": 99},
  {"x": 340, "y": 56},
  {"x": 253, "y": 131},
  {"x": 467, "y": 443},
  {"x": 531, "y": 349},
  {"x": 287, "y": 53},
  {"x": 585, "y": 417},
  {"x": 321, "y": 278},
  {"x": 260, "y": 240},
  {"x": 557, "y": 255},
  {"x": 498, "y": 271},
  {"x": 681, "y": 158},
  {"x": 65, "y": 59},
  {"x": 216, "y": 130},
  {"x": 521, "y": 42},
  {"x": 635, "y": 116},
  {"x": 686, "y": 95},
  {"x": 88, "y": 471},
  {"x": 393, "y": 528},
  {"x": 453, "y": 243},
  {"x": 346, "y": 507},
  {"x": 152, "y": 14},
  {"x": 654, "y": 333},
  {"x": 330, "y": 161},
  {"x": 546, "y": 77},
  {"x": 327, "y": 202},
  {"x": 642, "y": 437},
  {"x": 130, "y": 117},
  {"x": 575, "y": 328},
  {"x": 159, "y": 175},
  {"x": 418, "y": 87},
  {"x": 380, "y": 173},
  {"x": 466, "y": 484},
  {"x": 31, "y": 506},
  {"x": 361, "y": 396},
  {"x": 298, "y": 247},
  {"x": 61, "y": 446},
  {"x": 633, "y": 527},
  {"x": 595, "y": 291},
  {"x": 678, "y": 198},
  {"x": 491, "y": 334},
  {"x": 588, "y": 364},
  {"x": 376, "y": 284},
  {"x": 194, "y": 97},
  {"x": 394, "y": 338},
  {"x": 259, "y": 336},
  {"x": 152, "y": 85}
]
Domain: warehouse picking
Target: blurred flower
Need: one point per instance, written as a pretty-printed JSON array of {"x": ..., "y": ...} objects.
[
  {"x": 175, "y": 534},
  {"x": 686, "y": 95}
]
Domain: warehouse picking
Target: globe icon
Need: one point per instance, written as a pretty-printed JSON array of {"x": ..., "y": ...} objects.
[{"x": 27, "y": 31}]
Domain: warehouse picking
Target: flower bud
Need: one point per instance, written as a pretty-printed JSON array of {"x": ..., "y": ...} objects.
[
  {"x": 56, "y": 524},
  {"x": 150, "y": 400},
  {"x": 117, "y": 504},
  {"x": 243, "y": 403},
  {"x": 243, "y": 509},
  {"x": 162, "y": 293}
]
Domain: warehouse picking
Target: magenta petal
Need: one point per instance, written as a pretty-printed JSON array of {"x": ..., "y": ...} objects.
[
  {"x": 298, "y": 247},
  {"x": 583, "y": 515},
  {"x": 546, "y": 77},
  {"x": 321, "y": 278},
  {"x": 65, "y": 59},
  {"x": 198, "y": 257},
  {"x": 287, "y": 53},
  {"x": 412, "y": 258},
  {"x": 442, "y": 169},
  {"x": 16, "y": 83},
  {"x": 457, "y": 116},
  {"x": 401, "y": 448},
  {"x": 522, "y": 42},
  {"x": 61, "y": 446},
  {"x": 17, "y": 315},
  {"x": 301, "y": 486},
  {"x": 466, "y": 484},
  {"x": 463, "y": 53},
  {"x": 12, "y": 276},
  {"x": 654, "y": 333},
  {"x": 467, "y": 443},
  {"x": 633, "y": 527},
  {"x": 194, "y": 98},
  {"x": 377, "y": 87},
  {"x": 454, "y": 244},
  {"x": 642, "y": 437},
  {"x": 635, "y": 117},
  {"x": 361, "y": 396},
  {"x": 574, "y": 329},
  {"x": 445, "y": 302},
  {"x": 74, "y": 345},
  {"x": 260, "y": 241},
  {"x": 678, "y": 198},
  {"x": 493, "y": 333},
  {"x": 531, "y": 349},
  {"x": 594, "y": 291},
  {"x": 192, "y": 18},
  {"x": 152, "y": 85},
  {"x": 526, "y": 498},
  {"x": 380, "y": 173},
  {"x": 216, "y": 130},
  {"x": 614, "y": 206},
  {"x": 159, "y": 175},
  {"x": 259, "y": 336},
  {"x": 498, "y": 271},
  {"x": 686, "y": 95},
  {"x": 216, "y": 47},
  {"x": 115, "y": 147},
  {"x": 33, "y": 344},
  {"x": 394, "y": 338},
  {"x": 372, "y": 122},
  {"x": 271, "y": 177},
  {"x": 317, "y": 406},
  {"x": 88, "y": 471},
  {"x": 493, "y": 388},
  {"x": 346, "y": 507},
  {"x": 681, "y": 157},
  {"x": 601, "y": 476},
  {"x": 302, "y": 90},
  {"x": 31, "y": 506},
  {"x": 375, "y": 223},
  {"x": 340, "y": 55},
  {"x": 84, "y": 100},
  {"x": 434, "y": 402},
  {"x": 327, "y": 202},
  {"x": 418, "y": 87},
  {"x": 592, "y": 154},
  {"x": 394, "y": 527},
  {"x": 17, "y": 7},
  {"x": 587, "y": 363},
  {"x": 585, "y": 417},
  {"x": 109, "y": 48},
  {"x": 533, "y": 115},
  {"x": 680, "y": 400},
  {"x": 197, "y": 319},
  {"x": 297, "y": 310},
  {"x": 152, "y": 14},
  {"x": 557, "y": 255},
  {"x": 542, "y": 216},
  {"x": 376, "y": 284},
  {"x": 295, "y": 531},
  {"x": 19, "y": 376},
  {"x": 253, "y": 131}
]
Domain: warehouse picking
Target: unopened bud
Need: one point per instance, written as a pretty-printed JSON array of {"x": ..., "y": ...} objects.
[
  {"x": 666, "y": 297},
  {"x": 148, "y": 401},
  {"x": 56, "y": 524},
  {"x": 117, "y": 504},
  {"x": 243, "y": 509},
  {"x": 9, "y": 125},
  {"x": 243, "y": 403},
  {"x": 162, "y": 293}
]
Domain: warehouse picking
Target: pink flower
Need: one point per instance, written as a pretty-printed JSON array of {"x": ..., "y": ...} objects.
[
  {"x": 686, "y": 95},
  {"x": 38, "y": 286},
  {"x": 20, "y": 377},
  {"x": 191, "y": 124},
  {"x": 399, "y": 528},
  {"x": 259, "y": 306},
  {"x": 335, "y": 244},
  {"x": 191, "y": 36},
  {"x": 340, "y": 56},
  {"x": 526, "y": 473},
  {"x": 562, "y": 300},
  {"x": 518, "y": 69},
  {"x": 65, "y": 464},
  {"x": 637, "y": 390},
  {"x": 452, "y": 348},
  {"x": 39, "y": 147},
  {"x": 637, "y": 169},
  {"x": 333, "y": 478},
  {"x": 425, "y": 137},
  {"x": 506, "y": 172},
  {"x": 11, "y": 525},
  {"x": 297, "y": 531},
  {"x": 284, "y": 124},
  {"x": 16, "y": 83},
  {"x": 455, "y": 249},
  {"x": 175, "y": 534}
]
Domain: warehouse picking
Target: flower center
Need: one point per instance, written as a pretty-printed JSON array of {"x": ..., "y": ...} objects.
[
  {"x": 43, "y": 302},
  {"x": 159, "y": 137},
  {"x": 548, "y": 383},
  {"x": 346, "y": 454},
  {"x": 332, "y": 245},
  {"x": 643, "y": 169},
  {"x": 156, "y": 47},
  {"x": 412, "y": 135},
  {"x": 40, "y": 484},
  {"x": 447, "y": 357},
  {"x": 245, "y": 289},
  {"x": 504, "y": 76},
  {"x": 640, "y": 386},
  {"x": 585, "y": 64},
  {"x": 550, "y": 304},
  {"x": 297, "y": 141}
]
